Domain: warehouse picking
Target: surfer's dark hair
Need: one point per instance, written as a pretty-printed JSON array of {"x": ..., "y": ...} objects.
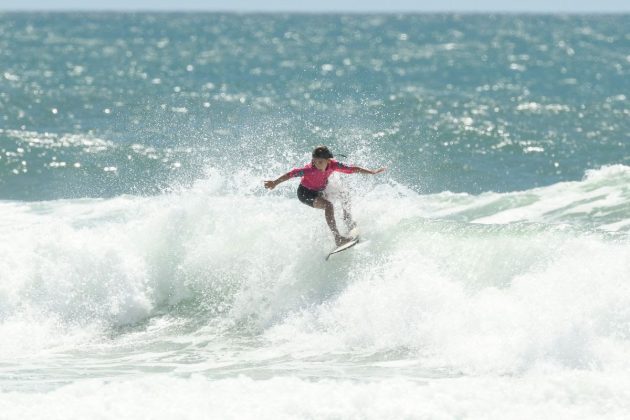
[{"x": 322, "y": 152}]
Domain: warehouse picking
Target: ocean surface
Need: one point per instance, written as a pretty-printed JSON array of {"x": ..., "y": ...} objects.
[{"x": 146, "y": 273}]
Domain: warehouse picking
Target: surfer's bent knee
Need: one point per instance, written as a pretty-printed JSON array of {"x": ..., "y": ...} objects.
[{"x": 322, "y": 203}]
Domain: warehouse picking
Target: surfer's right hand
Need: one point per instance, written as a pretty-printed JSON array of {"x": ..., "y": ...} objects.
[{"x": 270, "y": 185}]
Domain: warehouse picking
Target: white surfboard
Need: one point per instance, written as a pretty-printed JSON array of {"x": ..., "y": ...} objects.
[{"x": 343, "y": 247}]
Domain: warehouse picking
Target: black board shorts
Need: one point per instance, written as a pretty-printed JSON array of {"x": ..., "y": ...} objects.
[{"x": 307, "y": 196}]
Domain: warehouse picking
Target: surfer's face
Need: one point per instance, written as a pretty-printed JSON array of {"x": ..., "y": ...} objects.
[{"x": 320, "y": 163}]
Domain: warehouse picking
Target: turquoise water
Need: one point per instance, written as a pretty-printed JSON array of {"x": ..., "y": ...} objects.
[
  {"x": 146, "y": 273},
  {"x": 451, "y": 102}
]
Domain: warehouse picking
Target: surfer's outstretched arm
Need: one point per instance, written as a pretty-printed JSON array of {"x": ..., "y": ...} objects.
[
  {"x": 270, "y": 185},
  {"x": 360, "y": 170}
]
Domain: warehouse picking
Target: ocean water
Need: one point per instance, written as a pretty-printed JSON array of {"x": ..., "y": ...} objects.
[{"x": 146, "y": 273}]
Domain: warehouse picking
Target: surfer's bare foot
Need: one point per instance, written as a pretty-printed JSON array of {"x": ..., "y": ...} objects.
[{"x": 340, "y": 240}]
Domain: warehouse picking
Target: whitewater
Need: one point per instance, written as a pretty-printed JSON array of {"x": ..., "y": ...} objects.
[{"x": 219, "y": 300}]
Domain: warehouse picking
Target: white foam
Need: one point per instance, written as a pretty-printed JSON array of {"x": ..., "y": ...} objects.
[
  {"x": 557, "y": 311},
  {"x": 464, "y": 297},
  {"x": 574, "y": 395}
]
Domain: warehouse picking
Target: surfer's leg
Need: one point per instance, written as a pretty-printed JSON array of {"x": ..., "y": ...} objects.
[{"x": 329, "y": 212}]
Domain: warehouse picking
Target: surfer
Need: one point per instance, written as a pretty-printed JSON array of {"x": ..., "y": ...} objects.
[{"x": 314, "y": 180}]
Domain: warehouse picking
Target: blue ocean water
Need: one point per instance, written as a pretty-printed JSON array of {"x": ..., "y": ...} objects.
[{"x": 146, "y": 273}]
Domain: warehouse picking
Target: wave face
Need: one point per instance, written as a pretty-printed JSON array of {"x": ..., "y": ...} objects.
[{"x": 145, "y": 272}]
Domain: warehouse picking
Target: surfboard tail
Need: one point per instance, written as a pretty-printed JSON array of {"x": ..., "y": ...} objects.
[{"x": 343, "y": 247}]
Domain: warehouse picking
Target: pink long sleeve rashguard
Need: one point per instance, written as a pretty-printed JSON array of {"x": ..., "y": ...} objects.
[{"x": 316, "y": 180}]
